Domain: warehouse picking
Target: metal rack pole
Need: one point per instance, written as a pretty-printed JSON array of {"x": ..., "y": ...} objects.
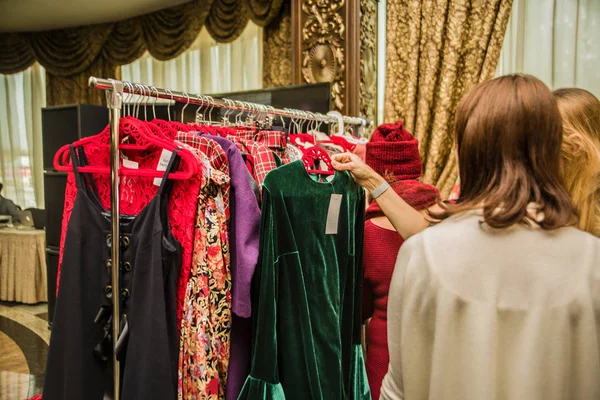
[
  {"x": 191, "y": 98},
  {"x": 114, "y": 100}
]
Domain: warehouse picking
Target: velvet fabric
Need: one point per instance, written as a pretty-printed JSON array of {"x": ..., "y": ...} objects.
[{"x": 307, "y": 302}]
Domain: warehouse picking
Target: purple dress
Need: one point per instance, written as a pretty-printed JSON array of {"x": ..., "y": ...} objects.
[{"x": 244, "y": 245}]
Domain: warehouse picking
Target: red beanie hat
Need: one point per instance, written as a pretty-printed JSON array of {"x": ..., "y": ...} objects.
[{"x": 392, "y": 150}]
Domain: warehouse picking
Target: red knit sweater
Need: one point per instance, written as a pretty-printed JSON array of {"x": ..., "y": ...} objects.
[{"x": 381, "y": 248}]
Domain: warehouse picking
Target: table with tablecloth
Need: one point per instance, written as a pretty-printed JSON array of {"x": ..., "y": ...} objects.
[{"x": 23, "y": 265}]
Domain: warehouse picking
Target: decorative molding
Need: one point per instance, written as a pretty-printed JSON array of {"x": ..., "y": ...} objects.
[
  {"x": 323, "y": 46},
  {"x": 333, "y": 41},
  {"x": 368, "y": 59},
  {"x": 277, "y": 50}
]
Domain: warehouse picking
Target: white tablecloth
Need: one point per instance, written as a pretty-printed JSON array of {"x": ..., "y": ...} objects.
[{"x": 23, "y": 265}]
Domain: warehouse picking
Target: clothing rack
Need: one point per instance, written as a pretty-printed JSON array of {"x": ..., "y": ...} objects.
[
  {"x": 190, "y": 98},
  {"x": 114, "y": 96}
]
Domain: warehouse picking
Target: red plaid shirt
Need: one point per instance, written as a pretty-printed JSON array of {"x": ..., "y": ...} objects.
[
  {"x": 276, "y": 141},
  {"x": 261, "y": 157},
  {"x": 215, "y": 155}
]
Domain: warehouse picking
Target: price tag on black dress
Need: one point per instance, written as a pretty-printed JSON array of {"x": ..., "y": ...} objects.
[{"x": 333, "y": 214}]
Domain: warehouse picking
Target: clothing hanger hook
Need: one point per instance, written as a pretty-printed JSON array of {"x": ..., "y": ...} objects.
[
  {"x": 225, "y": 117},
  {"x": 187, "y": 96},
  {"x": 212, "y": 104},
  {"x": 340, "y": 121},
  {"x": 139, "y": 89},
  {"x": 303, "y": 120},
  {"x": 248, "y": 113},
  {"x": 274, "y": 115},
  {"x": 154, "y": 89},
  {"x": 169, "y": 108},
  {"x": 243, "y": 110},
  {"x": 297, "y": 121},
  {"x": 126, "y": 104},
  {"x": 146, "y": 90},
  {"x": 288, "y": 111},
  {"x": 200, "y": 98}
]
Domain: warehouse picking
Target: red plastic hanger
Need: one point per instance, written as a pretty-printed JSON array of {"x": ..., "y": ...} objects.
[
  {"x": 299, "y": 138},
  {"x": 143, "y": 139},
  {"x": 315, "y": 154},
  {"x": 342, "y": 142},
  {"x": 167, "y": 129}
]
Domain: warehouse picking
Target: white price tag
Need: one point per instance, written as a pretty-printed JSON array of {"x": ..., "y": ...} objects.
[
  {"x": 163, "y": 163},
  {"x": 130, "y": 164},
  {"x": 333, "y": 214}
]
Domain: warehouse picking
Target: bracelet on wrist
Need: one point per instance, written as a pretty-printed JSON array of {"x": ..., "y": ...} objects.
[{"x": 378, "y": 191}]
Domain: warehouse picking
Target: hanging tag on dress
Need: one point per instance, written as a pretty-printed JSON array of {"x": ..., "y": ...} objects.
[
  {"x": 130, "y": 164},
  {"x": 163, "y": 163},
  {"x": 333, "y": 214}
]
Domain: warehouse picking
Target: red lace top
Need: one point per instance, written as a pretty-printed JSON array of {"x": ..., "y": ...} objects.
[{"x": 136, "y": 192}]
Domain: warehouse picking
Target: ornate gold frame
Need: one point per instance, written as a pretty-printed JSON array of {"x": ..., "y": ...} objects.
[{"x": 336, "y": 41}]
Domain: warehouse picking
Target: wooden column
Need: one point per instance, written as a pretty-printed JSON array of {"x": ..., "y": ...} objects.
[{"x": 336, "y": 41}]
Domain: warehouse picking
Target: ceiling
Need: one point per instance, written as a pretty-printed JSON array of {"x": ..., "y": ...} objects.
[{"x": 41, "y": 15}]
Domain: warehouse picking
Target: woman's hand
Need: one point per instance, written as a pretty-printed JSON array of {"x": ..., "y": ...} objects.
[
  {"x": 364, "y": 175},
  {"x": 406, "y": 220}
]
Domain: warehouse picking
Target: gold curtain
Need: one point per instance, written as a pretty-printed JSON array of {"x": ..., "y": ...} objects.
[
  {"x": 436, "y": 51},
  {"x": 277, "y": 49},
  {"x": 75, "y": 90},
  {"x": 68, "y": 55}
]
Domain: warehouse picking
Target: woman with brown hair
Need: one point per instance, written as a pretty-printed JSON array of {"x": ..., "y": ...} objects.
[{"x": 499, "y": 299}]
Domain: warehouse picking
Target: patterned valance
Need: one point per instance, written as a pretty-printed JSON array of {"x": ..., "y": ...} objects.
[{"x": 165, "y": 34}]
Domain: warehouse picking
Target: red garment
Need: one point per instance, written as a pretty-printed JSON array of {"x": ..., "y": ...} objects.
[
  {"x": 136, "y": 192},
  {"x": 392, "y": 150},
  {"x": 381, "y": 248},
  {"x": 276, "y": 141},
  {"x": 419, "y": 195},
  {"x": 263, "y": 158}
]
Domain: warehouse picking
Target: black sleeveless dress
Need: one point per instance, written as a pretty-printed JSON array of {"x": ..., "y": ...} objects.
[{"x": 79, "y": 362}]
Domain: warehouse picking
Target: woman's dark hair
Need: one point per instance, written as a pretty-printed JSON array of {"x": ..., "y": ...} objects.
[
  {"x": 508, "y": 135},
  {"x": 1, "y": 186}
]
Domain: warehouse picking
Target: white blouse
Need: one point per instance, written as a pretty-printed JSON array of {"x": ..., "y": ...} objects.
[{"x": 476, "y": 313}]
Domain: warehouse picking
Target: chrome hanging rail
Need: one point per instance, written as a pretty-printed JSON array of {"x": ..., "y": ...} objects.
[{"x": 192, "y": 98}]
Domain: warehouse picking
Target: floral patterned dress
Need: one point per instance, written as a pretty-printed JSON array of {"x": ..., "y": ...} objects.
[{"x": 206, "y": 319}]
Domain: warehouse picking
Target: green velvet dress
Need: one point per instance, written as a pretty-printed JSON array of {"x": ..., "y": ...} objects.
[{"x": 307, "y": 315}]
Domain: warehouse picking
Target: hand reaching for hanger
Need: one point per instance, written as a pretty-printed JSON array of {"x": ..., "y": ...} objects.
[
  {"x": 364, "y": 175},
  {"x": 406, "y": 220}
]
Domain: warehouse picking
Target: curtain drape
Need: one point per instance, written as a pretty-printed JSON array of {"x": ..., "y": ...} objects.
[
  {"x": 277, "y": 49},
  {"x": 71, "y": 55},
  {"x": 436, "y": 51},
  {"x": 21, "y": 167},
  {"x": 557, "y": 41},
  {"x": 207, "y": 66},
  {"x": 381, "y": 42},
  {"x": 164, "y": 34}
]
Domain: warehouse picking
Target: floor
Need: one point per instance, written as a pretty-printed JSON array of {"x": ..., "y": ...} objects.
[{"x": 24, "y": 338}]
